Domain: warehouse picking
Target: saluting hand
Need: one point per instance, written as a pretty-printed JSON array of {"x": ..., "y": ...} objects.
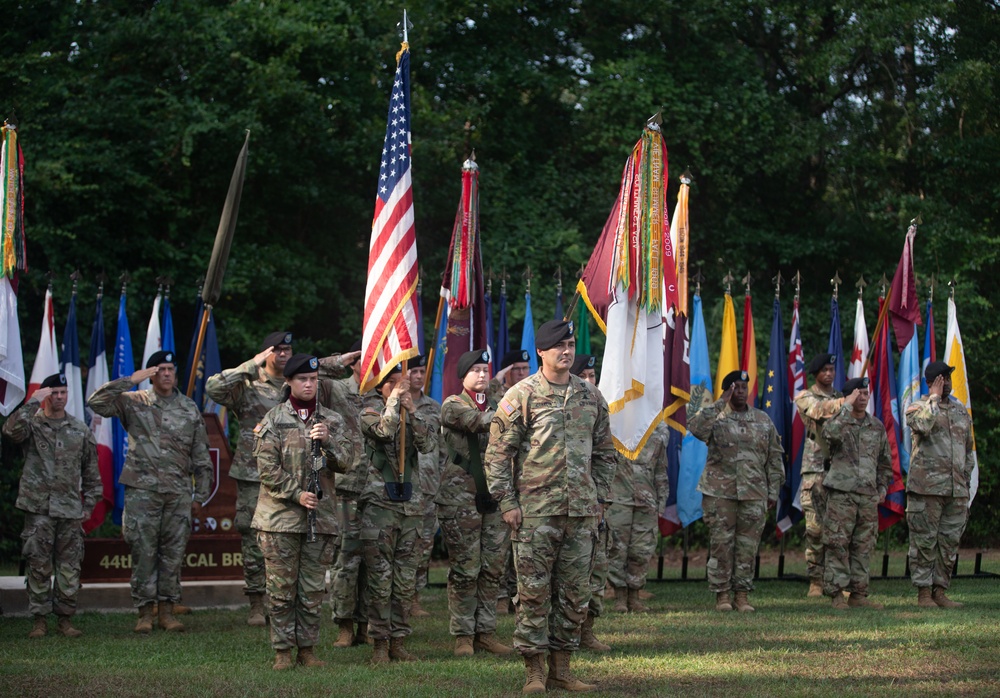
[
  {"x": 349, "y": 358},
  {"x": 144, "y": 374},
  {"x": 41, "y": 394},
  {"x": 261, "y": 358},
  {"x": 728, "y": 393},
  {"x": 849, "y": 400},
  {"x": 937, "y": 387}
]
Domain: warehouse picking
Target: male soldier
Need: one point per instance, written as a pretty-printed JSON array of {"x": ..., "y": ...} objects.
[
  {"x": 473, "y": 529},
  {"x": 298, "y": 443},
  {"x": 742, "y": 476},
  {"x": 859, "y": 476},
  {"x": 167, "y": 446},
  {"x": 549, "y": 464},
  {"x": 816, "y": 405},
  {"x": 60, "y": 468},
  {"x": 937, "y": 487},
  {"x": 392, "y": 516},
  {"x": 429, "y": 412}
]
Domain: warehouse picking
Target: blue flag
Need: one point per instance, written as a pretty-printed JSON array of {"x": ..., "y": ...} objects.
[
  {"x": 930, "y": 348},
  {"x": 123, "y": 366},
  {"x": 71, "y": 366},
  {"x": 502, "y": 342},
  {"x": 167, "y": 325},
  {"x": 488, "y": 303},
  {"x": 836, "y": 345},
  {"x": 440, "y": 347},
  {"x": 775, "y": 401},
  {"x": 528, "y": 335},
  {"x": 208, "y": 364},
  {"x": 789, "y": 504},
  {"x": 694, "y": 452},
  {"x": 907, "y": 392}
]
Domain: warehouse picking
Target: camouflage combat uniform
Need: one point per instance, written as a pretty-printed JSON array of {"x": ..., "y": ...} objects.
[
  {"x": 639, "y": 493},
  {"x": 815, "y": 407},
  {"x": 743, "y": 473},
  {"x": 390, "y": 530},
  {"x": 431, "y": 464},
  {"x": 477, "y": 542},
  {"x": 508, "y": 582},
  {"x": 937, "y": 487},
  {"x": 551, "y": 454},
  {"x": 60, "y": 465},
  {"x": 167, "y": 446},
  {"x": 859, "y": 476},
  {"x": 296, "y": 568}
]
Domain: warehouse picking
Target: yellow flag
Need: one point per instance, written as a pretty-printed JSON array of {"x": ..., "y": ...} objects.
[{"x": 729, "y": 355}]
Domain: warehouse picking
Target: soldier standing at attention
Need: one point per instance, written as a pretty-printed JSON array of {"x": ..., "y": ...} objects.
[
  {"x": 858, "y": 479},
  {"x": 167, "y": 446},
  {"x": 740, "y": 483},
  {"x": 299, "y": 443},
  {"x": 474, "y": 531},
  {"x": 549, "y": 464},
  {"x": 392, "y": 513},
  {"x": 60, "y": 484},
  {"x": 816, "y": 405},
  {"x": 937, "y": 486}
]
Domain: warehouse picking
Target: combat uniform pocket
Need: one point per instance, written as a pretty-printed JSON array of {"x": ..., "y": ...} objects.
[
  {"x": 522, "y": 535},
  {"x": 916, "y": 506},
  {"x": 369, "y": 534}
]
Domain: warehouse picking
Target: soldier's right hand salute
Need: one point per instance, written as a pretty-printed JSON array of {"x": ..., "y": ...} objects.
[{"x": 144, "y": 374}]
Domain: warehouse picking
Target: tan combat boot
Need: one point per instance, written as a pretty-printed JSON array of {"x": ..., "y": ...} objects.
[
  {"x": 815, "y": 588},
  {"x": 39, "y": 628},
  {"x": 66, "y": 628},
  {"x": 381, "y": 653},
  {"x": 722, "y": 601},
  {"x": 145, "y": 624},
  {"x": 861, "y": 601},
  {"x": 308, "y": 658},
  {"x": 560, "y": 676},
  {"x": 282, "y": 660},
  {"x": 179, "y": 609},
  {"x": 397, "y": 651},
  {"x": 534, "y": 667},
  {"x": 464, "y": 646},
  {"x": 645, "y": 595},
  {"x": 938, "y": 597},
  {"x": 588, "y": 640},
  {"x": 742, "y": 603},
  {"x": 924, "y": 599},
  {"x": 839, "y": 602},
  {"x": 416, "y": 610},
  {"x": 257, "y": 617},
  {"x": 361, "y": 636},
  {"x": 488, "y": 642},
  {"x": 346, "y": 636},
  {"x": 621, "y": 600},
  {"x": 635, "y": 604},
  {"x": 167, "y": 620}
]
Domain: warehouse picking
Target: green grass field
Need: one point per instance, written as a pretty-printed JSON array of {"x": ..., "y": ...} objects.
[{"x": 793, "y": 646}]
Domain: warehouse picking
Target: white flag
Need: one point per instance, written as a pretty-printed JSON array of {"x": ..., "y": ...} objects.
[
  {"x": 47, "y": 358},
  {"x": 154, "y": 341}
]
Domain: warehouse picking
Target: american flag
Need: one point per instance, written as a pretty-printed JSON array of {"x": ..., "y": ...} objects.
[{"x": 390, "y": 322}]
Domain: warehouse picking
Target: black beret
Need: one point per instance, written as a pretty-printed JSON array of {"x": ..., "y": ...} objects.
[
  {"x": 734, "y": 376},
  {"x": 937, "y": 368},
  {"x": 581, "y": 362},
  {"x": 301, "y": 363},
  {"x": 553, "y": 332},
  {"x": 276, "y": 338},
  {"x": 854, "y": 384},
  {"x": 418, "y": 361},
  {"x": 161, "y": 357},
  {"x": 356, "y": 346},
  {"x": 818, "y": 362},
  {"x": 56, "y": 380},
  {"x": 470, "y": 358},
  {"x": 515, "y": 356},
  {"x": 398, "y": 368}
]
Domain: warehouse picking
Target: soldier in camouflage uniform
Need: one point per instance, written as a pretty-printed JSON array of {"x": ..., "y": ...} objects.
[
  {"x": 937, "y": 486},
  {"x": 476, "y": 535},
  {"x": 549, "y": 464},
  {"x": 858, "y": 479},
  {"x": 741, "y": 480},
  {"x": 429, "y": 411},
  {"x": 392, "y": 515},
  {"x": 167, "y": 446},
  {"x": 639, "y": 493},
  {"x": 816, "y": 405},
  {"x": 298, "y": 443},
  {"x": 60, "y": 471}
]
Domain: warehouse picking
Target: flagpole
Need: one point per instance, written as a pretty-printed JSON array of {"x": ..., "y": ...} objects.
[
  {"x": 402, "y": 432},
  {"x": 429, "y": 375},
  {"x": 199, "y": 345}
]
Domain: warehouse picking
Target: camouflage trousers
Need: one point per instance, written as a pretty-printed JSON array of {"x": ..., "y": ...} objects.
[
  {"x": 850, "y": 530},
  {"x": 156, "y": 527},
  {"x": 636, "y": 531},
  {"x": 428, "y": 530},
  {"x": 508, "y": 582},
  {"x": 53, "y": 549},
  {"x": 735, "y": 527},
  {"x": 477, "y": 555},
  {"x": 253, "y": 559},
  {"x": 554, "y": 557},
  {"x": 296, "y": 583},
  {"x": 349, "y": 586},
  {"x": 606, "y": 540},
  {"x": 813, "y": 498},
  {"x": 936, "y": 527},
  {"x": 391, "y": 543}
]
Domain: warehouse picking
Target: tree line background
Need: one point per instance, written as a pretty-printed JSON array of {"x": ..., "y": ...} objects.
[{"x": 815, "y": 132}]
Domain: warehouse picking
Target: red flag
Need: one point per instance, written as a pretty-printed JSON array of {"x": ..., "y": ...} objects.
[
  {"x": 749, "y": 362},
  {"x": 882, "y": 379},
  {"x": 903, "y": 305}
]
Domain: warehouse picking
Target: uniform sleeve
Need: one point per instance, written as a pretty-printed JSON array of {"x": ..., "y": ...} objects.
[
  {"x": 201, "y": 464},
  {"x": 90, "y": 475},
  {"x": 921, "y": 415},
  {"x": 506, "y": 432},
  {"x": 702, "y": 422},
  {"x": 459, "y": 416},
  {"x": 970, "y": 452},
  {"x": 111, "y": 399},
  {"x": 279, "y": 483},
  {"x": 661, "y": 482},
  {"x": 816, "y": 407},
  {"x": 834, "y": 429},
  {"x": 330, "y": 367},
  {"x": 381, "y": 425},
  {"x": 775, "y": 464},
  {"x": 883, "y": 467},
  {"x": 425, "y": 433},
  {"x": 604, "y": 457},
  {"x": 227, "y": 388},
  {"x": 17, "y": 428},
  {"x": 343, "y": 446}
]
